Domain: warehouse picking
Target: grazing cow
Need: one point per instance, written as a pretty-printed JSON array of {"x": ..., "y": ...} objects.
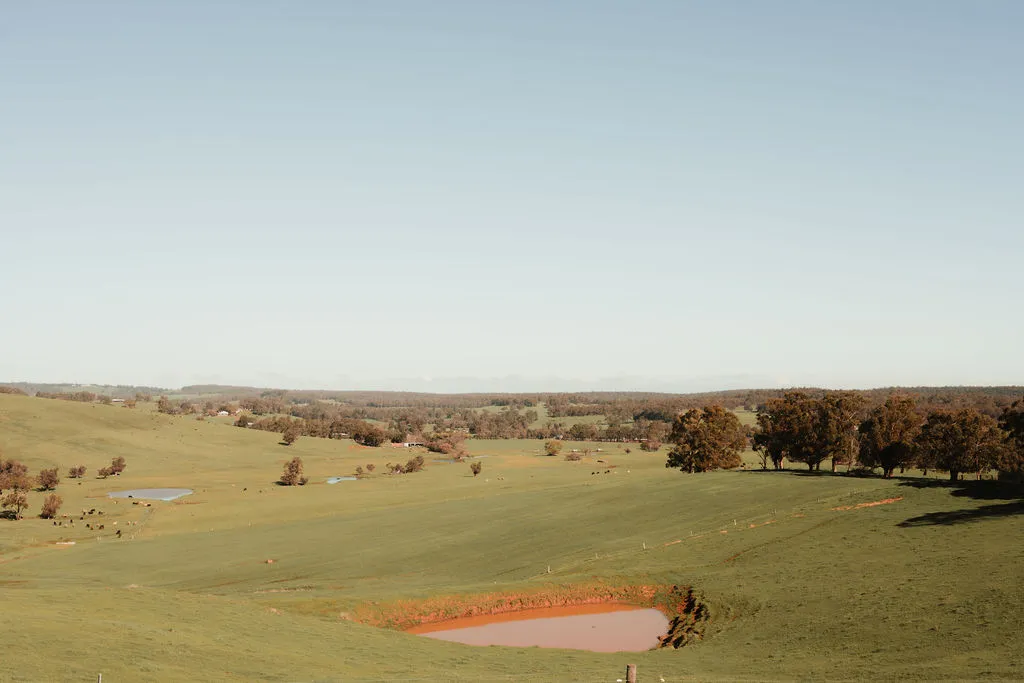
[
  {"x": 101, "y": 527},
  {"x": 119, "y": 533}
]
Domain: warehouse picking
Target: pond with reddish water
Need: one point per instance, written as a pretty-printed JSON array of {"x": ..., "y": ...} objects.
[{"x": 597, "y": 628}]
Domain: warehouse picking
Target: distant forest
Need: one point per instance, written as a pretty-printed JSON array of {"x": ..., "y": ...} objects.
[{"x": 401, "y": 416}]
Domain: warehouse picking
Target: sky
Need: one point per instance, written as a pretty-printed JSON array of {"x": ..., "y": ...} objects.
[{"x": 464, "y": 195}]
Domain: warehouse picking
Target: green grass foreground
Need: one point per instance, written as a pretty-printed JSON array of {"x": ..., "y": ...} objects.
[{"x": 927, "y": 587}]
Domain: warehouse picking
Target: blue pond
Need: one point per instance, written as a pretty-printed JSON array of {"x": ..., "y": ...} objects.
[
  {"x": 151, "y": 494},
  {"x": 335, "y": 480}
]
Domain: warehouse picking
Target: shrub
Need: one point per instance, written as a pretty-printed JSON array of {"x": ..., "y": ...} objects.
[
  {"x": 573, "y": 456},
  {"x": 475, "y": 467},
  {"x": 76, "y": 472},
  {"x": 650, "y": 446},
  {"x": 445, "y": 442},
  {"x": 628, "y": 451},
  {"x": 359, "y": 471},
  {"x": 553, "y": 447},
  {"x": 48, "y": 479},
  {"x": 413, "y": 465},
  {"x": 290, "y": 435},
  {"x": 292, "y": 475},
  {"x": 51, "y": 506},
  {"x": 244, "y": 420},
  {"x": 370, "y": 467},
  {"x": 15, "y": 499},
  {"x": 117, "y": 466}
]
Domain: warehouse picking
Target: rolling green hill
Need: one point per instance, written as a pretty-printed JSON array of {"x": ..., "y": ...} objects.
[{"x": 928, "y": 586}]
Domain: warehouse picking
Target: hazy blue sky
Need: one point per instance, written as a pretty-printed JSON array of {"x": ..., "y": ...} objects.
[{"x": 523, "y": 195}]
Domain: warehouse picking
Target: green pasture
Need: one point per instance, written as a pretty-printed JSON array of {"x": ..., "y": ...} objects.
[
  {"x": 543, "y": 419},
  {"x": 927, "y": 587}
]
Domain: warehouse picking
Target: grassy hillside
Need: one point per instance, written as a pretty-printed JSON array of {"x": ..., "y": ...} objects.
[{"x": 925, "y": 587}]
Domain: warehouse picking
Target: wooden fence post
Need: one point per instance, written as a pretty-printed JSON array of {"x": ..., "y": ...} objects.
[{"x": 631, "y": 673}]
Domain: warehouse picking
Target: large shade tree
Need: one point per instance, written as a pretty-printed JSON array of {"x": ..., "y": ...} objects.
[
  {"x": 769, "y": 439},
  {"x": 960, "y": 441},
  {"x": 887, "y": 435},
  {"x": 1011, "y": 464},
  {"x": 808, "y": 429},
  {"x": 839, "y": 413},
  {"x": 787, "y": 429},
  {"x": 706, "y": 439}
]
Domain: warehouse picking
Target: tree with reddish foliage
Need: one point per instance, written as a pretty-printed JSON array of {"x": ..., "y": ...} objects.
[
  {"x": 476, "y": 467},
  {"x": 76, "y": 472},
  {"x": 650, "y": 445},
  {"x": 48, "y": 479},
  {"x": 117, "y": 465},
  {"x": 51, "y": 506},
  {"x": 17, "y": 500},
  {"x": 13, "y": 476},
  {"x": 445, "y": 441}
]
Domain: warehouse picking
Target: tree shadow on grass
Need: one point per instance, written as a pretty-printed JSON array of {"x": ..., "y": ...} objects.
[
  {"x": 964, "y": 516},
  {"x": 976, "y": 490},
  {"x": 816, "y": 473},
  {"x": 801, "y": 472}
]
